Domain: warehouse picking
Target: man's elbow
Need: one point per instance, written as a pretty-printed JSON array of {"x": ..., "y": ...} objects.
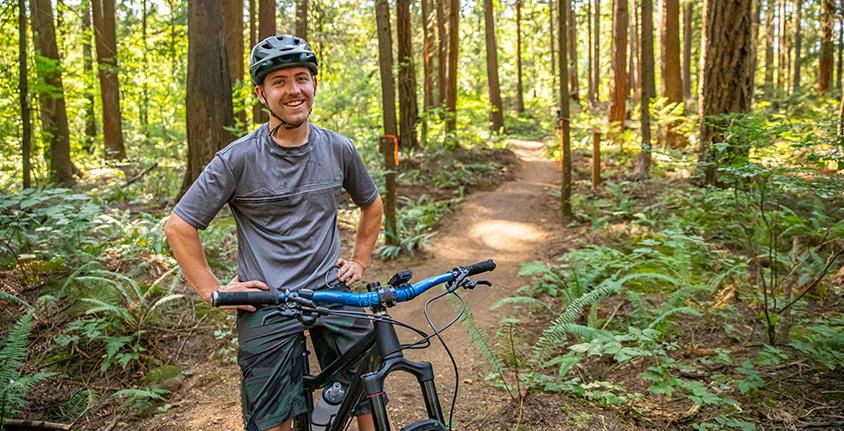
[{"x": 176, "y": 227}]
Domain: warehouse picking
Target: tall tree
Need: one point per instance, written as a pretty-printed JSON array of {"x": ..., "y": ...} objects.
[
  {"x": 618, "y": 66},
  {"x": 596, "y": 51},
  {"x": 388, "y": 112},
  {"x": 209, "y": 97},
  {"x": 553, "y": 41},
  {"x": 428, "y": 42},
  {"x": 88, "y": 69},
  {"x": 827, "y": 46},
  {"x": 105, "y": 36},
  {"x": 23, "y": 91},
  {"x": 633, "y": 57},
  {"x": 520, "y": 98},
  {"x": 782, "y": 46},
  {"x": 770, "y": 29},
  {"x": 571, "y": 40},
  {"x": 233, "y": 29},
  {"x": 646, "y": 80},
  {"x": 688, "y": 11},
  {"x": 798, "y": 41},
  {"x": 590, "y": 75},
  {"x": 302, "y": 18},
  {"x": 266, "y": 19},
  {"x": 408, "y": 107},
  {"x": 754, "y": 54},
  {"x": 442, "y": 50},
  {"x": 51, "y": 93},
  {"x": 563, "y": 106},
  {"x": 496, "y": 112},
  {"x": 145, "y": 65},
  {"x": 672, "y": 85},
  {"x": 453, "y": 50},
  {"x": 253, "y": 40},
  {"x": 725, "y": 83}
]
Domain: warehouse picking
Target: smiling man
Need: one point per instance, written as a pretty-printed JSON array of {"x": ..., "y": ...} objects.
[{"x": 282, "y": 183}]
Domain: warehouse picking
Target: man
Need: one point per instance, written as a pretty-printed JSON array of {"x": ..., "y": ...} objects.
[{"x": 282, "y": 183}]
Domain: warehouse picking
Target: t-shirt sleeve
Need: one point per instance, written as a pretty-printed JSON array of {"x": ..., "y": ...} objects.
[
  {"x": 356, "y": 179},
  {"x": 204, "y": 199}
]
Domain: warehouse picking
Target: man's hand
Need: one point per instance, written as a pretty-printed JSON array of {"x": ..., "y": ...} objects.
[
  {"x": 349, "y": 271},
  {"x": 247, "y": 286}
]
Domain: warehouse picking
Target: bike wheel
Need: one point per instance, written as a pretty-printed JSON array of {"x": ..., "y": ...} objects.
[{"x": 425, "y": 425}]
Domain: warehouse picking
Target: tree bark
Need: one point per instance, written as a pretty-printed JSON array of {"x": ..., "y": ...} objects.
[
  {"x": 51, "y": 93},
  {"x": 266, "y": 19},
  {"x": 596, "y": 55},
  {"x": 840, "y": 49},
  {"x": 233, "y": 29},
  {"x": 105, "y": 37},
  {"x": 302, "y": 19},
  {"x": 672, "y": 84},
  {"x": 209, "y": 97},
  {"x": 428, "y": 42},
  {"x": 23, "y": 91},
  {"x": 442, "y": 50},
  {"x": 798, "y": 41},
  {"x": 782, "y": 46},
  {"x": 453, "y": 50},
  {"x": 618, "y": 72},
  {"x": 590, "y": 75},
  {"x": 571, "y": 40},
  {"x": 725, "y": 85},
  {"x": 253, "y": 40},
  {"x": 754, "y": 46},
  {"x": 688, "y": 11},
  {"x": 770, "y": 28},
  {"x": 646, "y": 79},
  {"x": 88, "y": 70},
  {"x": 408, "y": 106},
  {"x": 563, "y": 103},
  {"x": 553, "y": 42},
  {"x": 388, "y": 102},
  {"x": 496, "y": 112},
  {"x": 633, "y": 57},
  {"x": 827, "y": 47},
  {"x": 520, "y": 99}
]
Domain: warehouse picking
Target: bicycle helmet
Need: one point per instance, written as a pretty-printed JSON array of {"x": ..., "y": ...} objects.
[{"x": 276, "y": 52}]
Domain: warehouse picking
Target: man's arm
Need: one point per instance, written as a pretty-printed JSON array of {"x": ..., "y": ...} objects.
[
  {"x": 351, "y": 271},
  {"x": 187, "y": 248}
]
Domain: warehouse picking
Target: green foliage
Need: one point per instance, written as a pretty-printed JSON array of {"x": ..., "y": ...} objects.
[{"x": 14, "y": 383}]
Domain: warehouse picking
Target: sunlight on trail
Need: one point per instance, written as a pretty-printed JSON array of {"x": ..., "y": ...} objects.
[{"x": 506, "y": 235}]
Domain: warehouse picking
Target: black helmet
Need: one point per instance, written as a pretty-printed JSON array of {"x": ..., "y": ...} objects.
[{"x": 276, "y": 52}]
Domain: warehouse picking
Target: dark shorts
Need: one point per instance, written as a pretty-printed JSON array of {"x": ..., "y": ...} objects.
[{"x": 271, "y": 374}]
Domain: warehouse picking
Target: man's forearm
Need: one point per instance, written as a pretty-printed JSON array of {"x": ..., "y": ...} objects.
[
  {"x": 187, "y": 248},
  {"x": 367, "y": 233}
]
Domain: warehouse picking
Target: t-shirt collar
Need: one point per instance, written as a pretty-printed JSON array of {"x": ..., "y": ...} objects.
[{"x": 278, "y": 150}]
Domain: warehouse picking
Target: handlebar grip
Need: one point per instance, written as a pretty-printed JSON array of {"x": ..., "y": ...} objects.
[
  {"x": 477, "y": 268},
  {"x": 219, "y": 299}
]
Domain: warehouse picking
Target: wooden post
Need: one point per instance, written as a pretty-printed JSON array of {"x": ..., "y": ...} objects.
[{"x": 596, "y": 159}]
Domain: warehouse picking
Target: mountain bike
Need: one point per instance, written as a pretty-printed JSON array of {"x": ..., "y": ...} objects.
[{"x": 333, "y": 412}]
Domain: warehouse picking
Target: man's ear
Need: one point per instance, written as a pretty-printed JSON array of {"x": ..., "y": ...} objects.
[
  {"x": 259, "y": 91},
  {"x": 315, "y": 85}
]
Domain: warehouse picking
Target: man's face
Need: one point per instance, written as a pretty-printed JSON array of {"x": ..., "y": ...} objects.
[{"x": 289, "y": 93}]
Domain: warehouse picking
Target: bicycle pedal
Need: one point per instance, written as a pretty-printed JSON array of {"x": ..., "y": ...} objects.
[{"x": 425, "y": 425}]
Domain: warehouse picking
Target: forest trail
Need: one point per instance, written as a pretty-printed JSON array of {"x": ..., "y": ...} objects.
[{"x": 511, "y": 224}]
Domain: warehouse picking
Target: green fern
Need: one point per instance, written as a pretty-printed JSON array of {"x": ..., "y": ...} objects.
[
  {"x": 14, "y": 386},
  {"x": 519, "y": 300},
  {"x": 5, "y": 296}
]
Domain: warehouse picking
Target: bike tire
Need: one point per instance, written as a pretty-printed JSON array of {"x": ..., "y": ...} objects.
[{"x": 425, "y": 425}]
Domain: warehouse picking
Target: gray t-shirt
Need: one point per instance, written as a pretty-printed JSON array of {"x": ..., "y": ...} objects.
[{"x": 284, "y": 201}]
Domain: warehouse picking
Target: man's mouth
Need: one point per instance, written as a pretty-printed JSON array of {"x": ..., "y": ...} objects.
[{"x": 294, "y": 103}]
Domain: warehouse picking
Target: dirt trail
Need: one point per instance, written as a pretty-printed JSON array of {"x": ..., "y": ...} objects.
[{"x": 511, "y": 224}]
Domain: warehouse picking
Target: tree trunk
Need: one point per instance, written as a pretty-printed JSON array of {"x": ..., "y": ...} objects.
[
  {"x": 770, "y": 27},
  {"x": 725, "y": 85},
  {"x": 688, "y": 11},
  {"x": 798, "y": 41},
  {"x": 596, "y": 54},
  {"x": 408, "y": 107},
  {"x": 754, "y": 47},
  {"x": 646, "y": 79},
  {"x": 302, "y": 19},
  {"x": 590, "y": 76},
  {"x": 233, "y": 29},
  {"x": 427, "y": 56},
  {"x": 266, "y": 19},
  {"x": 51, "y": 92},
  {"x": 571, "y": 39},
  {"x": 388, "y": 103},
  {"x": 672, "y": 85},
  {"x": 564, "y": 120},
  {"x": 551, "y": 24},
  {"x": 520, "y": 98},
  {"x": 633, "y": 57},
  {"x": 827, "y": 47},
  {"x": 618, "y": 72},
  {"x": 145, "y": 65},
  {"x": 442, "y": 50},
  {"x": 453, "y": 50},
  {"x": 88, "y": 70},
  {"x": 106, "y": 40},
  {"x": 23, "y": 91},
  {"x": 496, "y": 113},
  {"x": 782, "y": 47},
  {"x": 209, "y": 97},
  {"x": 253, "y": 40},
  {"x": 840, "y": 50}
]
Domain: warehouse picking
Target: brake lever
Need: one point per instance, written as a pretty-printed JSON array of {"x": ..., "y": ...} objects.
[{"x": 472, "y": 284}]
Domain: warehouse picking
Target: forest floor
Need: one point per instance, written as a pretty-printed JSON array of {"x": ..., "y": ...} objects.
[{"x": 514, "y": 223}]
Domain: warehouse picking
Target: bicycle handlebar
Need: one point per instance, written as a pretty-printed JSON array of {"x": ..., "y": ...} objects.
[{"x": 368, "y": 299}]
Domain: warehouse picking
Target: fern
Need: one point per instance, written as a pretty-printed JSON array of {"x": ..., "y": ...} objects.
[
  {"x": 13, "y": 386},
  {"x": 13, "y": 298},
  {"x": 519, "y": 300}
]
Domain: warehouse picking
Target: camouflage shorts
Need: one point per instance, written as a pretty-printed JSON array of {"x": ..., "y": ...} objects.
[{"x": 271, "y": 374}]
